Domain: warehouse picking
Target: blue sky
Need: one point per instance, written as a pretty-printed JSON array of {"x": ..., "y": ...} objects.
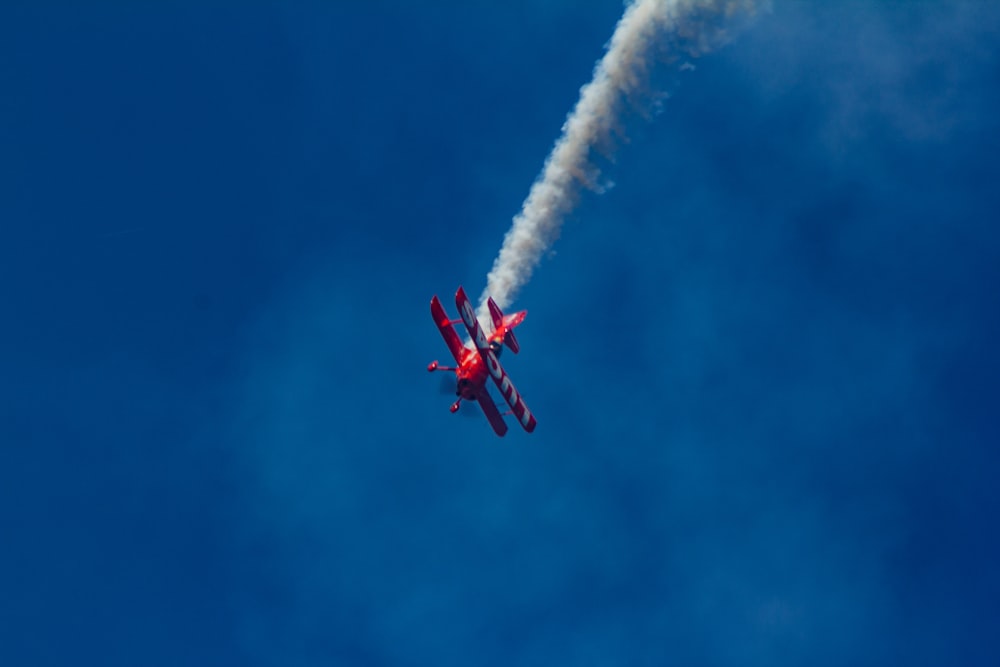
[{"x": 763, "y": 364}]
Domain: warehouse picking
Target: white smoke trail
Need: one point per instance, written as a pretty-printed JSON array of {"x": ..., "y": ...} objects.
[{"x": 649, "y": 31}]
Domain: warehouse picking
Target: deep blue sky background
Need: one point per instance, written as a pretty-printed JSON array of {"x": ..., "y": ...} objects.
[{"x": 764, "y": 364}]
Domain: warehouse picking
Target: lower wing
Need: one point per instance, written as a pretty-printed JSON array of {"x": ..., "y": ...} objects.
[
  {"x": 493, "y": 415},
  {"x": 447, "y": 330}
]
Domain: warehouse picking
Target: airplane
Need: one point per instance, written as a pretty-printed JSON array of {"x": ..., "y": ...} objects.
[{"x": 477, "y": 362}]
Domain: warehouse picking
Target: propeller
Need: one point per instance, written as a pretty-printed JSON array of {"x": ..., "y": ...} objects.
[{"x": 447, "y": 384}]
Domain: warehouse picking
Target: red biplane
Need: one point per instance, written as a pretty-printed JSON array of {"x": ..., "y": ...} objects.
[{"x": 479, "y": 361}]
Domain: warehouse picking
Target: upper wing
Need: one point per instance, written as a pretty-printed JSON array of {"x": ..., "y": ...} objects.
[
  {"x": 490, "y": 410},
  {"x": 496, "y": 371},
  {"x": 447, "y": 331}
]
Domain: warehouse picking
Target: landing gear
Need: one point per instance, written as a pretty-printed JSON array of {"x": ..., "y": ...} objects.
[{"x": 434, "y": 366}]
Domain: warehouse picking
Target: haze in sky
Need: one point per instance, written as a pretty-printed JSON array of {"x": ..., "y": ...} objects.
[{"x": 763, "y": 363}]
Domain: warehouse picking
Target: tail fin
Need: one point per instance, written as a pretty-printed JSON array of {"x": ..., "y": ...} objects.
[{"x": 507, "y": 323}]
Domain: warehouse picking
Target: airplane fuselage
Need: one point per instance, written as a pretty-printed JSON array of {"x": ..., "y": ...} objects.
[{"x": 471, "y": 375}]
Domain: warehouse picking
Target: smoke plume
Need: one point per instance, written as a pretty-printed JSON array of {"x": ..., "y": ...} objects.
[{"x": 650, "y": 31}]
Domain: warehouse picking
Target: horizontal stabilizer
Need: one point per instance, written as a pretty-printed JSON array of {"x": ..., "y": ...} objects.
[
  {"x": 511, "y": 341},
  {"x": 505, "y": 324},
  {"x": 495, "y": 313}
]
